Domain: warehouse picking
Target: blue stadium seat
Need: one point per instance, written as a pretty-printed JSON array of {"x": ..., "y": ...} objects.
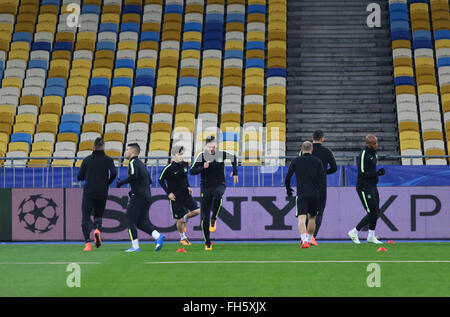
[
  {"x": 173, "y": 8},
  {"x": 404, "y": 80},
  {"x": 109, "y": 27},
  {"x": 63, "y": 46},
  {"x": 422, "y": 44},
  {"x": 144, "y": 81},
  {"x": 142, "y": 99},
  {"x": 129, "y": 27},
  {"x": 38, "y": 63},
  {"x": 234, "y": 54},
  {"x": 213, "y": 26},
  {"x": 443, "y": 61},
  {"x": 90, "y": 8},
  {"x": 399, "y": 16},
  {"x": 56, "y": 82},
  {"x": 149, "y": 36},
  {"x": 400, "y": 35},
  {"x": 41, "y": 46},
  {"x": 254, "y": 63},
  {"x": 124, "y": 63},
  {"x": 71, "y": 118},
  {"x": 51, "y": 2},
  {"x": 400, "y": 26},
  {"x": 191, "y": 45},
  {"x": 55, "y": 91},
  {"x": 122, "y": 82},
  {"x": 442, "y": 35},
  {"x": 145, "y": 72},
  {"x": 99, "y": 90},
  {"x": 213, "y": 45},
  {"x": 398, "y": 7},
  {"x": 21, "y": 137},
  {"x": 255, "y": 45},
  {"x": 71, "y": 127},
  {"x": 99, "y": 81},
  {"x": 21, "y": 37},
  {"x": 422, "y": 35},
  {"x": 188, "y": 81},
  {"x": 214, "y": 17},
  {"x": 141, "y": 108},
  {"x": 131, "y": 8},
  {"x": 235, "y": 17},
  {"x": 276, "y": 72},
  {"x": 104, "y": 45},
  {"x": 256, "y": 8},
  {"x": 193, "y": 27}
]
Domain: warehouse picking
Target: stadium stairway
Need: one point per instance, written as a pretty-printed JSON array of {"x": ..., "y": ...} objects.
[{"x": 339, "y": 77}]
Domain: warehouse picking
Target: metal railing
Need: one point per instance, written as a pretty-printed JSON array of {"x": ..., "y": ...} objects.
[{"x": 49, "y": 175}]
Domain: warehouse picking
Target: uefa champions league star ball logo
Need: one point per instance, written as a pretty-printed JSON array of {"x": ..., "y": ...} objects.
[{"x": 38, "y": 213}]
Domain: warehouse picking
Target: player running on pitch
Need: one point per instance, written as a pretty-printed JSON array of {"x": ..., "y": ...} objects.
[
  {"x": 210, "y": 164},
  {"x": 310, "y": 183},
  {"x": 182, "y": 205},
  {"x": 98, "y": 172},
  {"x": 366, "y": 186},
  {"x": 140, "y": 199}
]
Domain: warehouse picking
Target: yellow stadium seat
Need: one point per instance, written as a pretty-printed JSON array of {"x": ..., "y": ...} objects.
[
  {"x": 65, "y": 37},
  {"x": 7, "y": 114},
  {"x": 140, "y": 117},
  {"x": 159, "y": 146},
  {"x": 151, "y": 26},
  {"x": 19, "y": 146},
  {"x": 104, "y": 63},
  {"x": 42, "y": 146},
  {"x": 102, "y": 72},
  {"x": 432, "y": 135},
  {"x": 234, "y": 45},
  {"x": 47, "y": 17},
  {"x": 114, "y": 136},
  {"x": 120, "y": 95},
  {"x": 403, "y": 71},
  {"x": 96, "y": 108},
  {"x": 50, "y": 127},
  {"x": 127, "y": 45},
  {"x": 116, "y": 117},
  {"x": 408, "y": 125},
  {"x": 172, "y": 17},
  {"x": 24, "y": 127},
  {"x": 442, "y": 44},
  {"x": 110, "y": 18},
  {"x": 124, "y": 72},
  {"x": 194, "y": 54},
  {"x": 161, "y": 127},
  {"x": 189, "y": 72},
  {"x": 208, "y": 107},
  {"x": 12, "y": 82},
  {"x": 192, "y": 36},
  {"x": 427, "y": 89},
  {"x": 231, "y": 117},
  {"x": 131, "y": 18},
  {"x": 276, "y": 107},
  {"x": 46, "y": 27},
  {"x": 39, "y": 162},
  {"x": 256, "y": 36},
  {"x": 409, "y": 135},
  {"x": 256, "y": 17},
  {"x": 26, "y": 118},
  {"x": 20, "y": 46},
  {"x": 79, "y": 81},
  {"x": 146, "y": 63},
  {"x": 92, "y": 127},
  {"x": 410, "y": 145},
  {"x": 86, "y": 146},
  {"x": 255, "y": 54}
]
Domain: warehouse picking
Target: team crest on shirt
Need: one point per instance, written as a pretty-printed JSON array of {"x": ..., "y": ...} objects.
[
  {"x": 185, "y": 169},
  {"x": 369, "y": 196}
]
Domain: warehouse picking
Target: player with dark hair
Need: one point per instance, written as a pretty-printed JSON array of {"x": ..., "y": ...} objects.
[
  {"x": 326, "y": 156},
  {"x": 210, "y": 164},
  {"x": 366, "y": 186},
  {"x": 98, "y": 172},
  {"x": 182, "y": 205},
  {"x": 140, "y": 199},
  {"x": 310, "y": 183}
]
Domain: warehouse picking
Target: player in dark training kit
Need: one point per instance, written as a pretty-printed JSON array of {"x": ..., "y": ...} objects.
[
  {"x": 310, "y": 183},
  {"x": 366, "y": 186},
  {"x": 182, "y": 205},
  {"x": 327, "y": 158},
  {"x": 210, "y": 164},
  {"x": 98, "y": 172},
  {"x": 140, "y": 199}
]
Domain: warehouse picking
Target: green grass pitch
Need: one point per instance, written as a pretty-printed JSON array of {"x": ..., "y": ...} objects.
[{"x": 263, "y": 269}]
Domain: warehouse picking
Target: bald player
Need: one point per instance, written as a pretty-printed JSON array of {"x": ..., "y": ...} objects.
[
  {"x": 311, "y": 181},
  {"x": 366, "y": 186}
]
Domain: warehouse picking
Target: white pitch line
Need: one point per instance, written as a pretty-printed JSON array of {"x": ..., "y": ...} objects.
[
  {"x": 306, "y": 261},
  {"x": 46, "y": 263}
]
